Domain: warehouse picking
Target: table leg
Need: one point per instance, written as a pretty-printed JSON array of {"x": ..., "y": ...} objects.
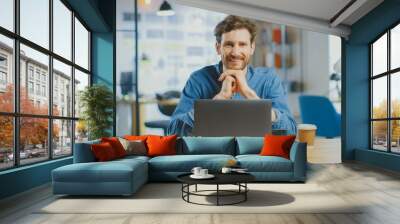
[
  {"x": 245, "y": 191},
  {"x": 196, "y": 188},
  {"x": 217, "y": 194}
]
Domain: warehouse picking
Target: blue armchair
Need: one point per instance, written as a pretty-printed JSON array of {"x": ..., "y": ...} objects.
[{"x": 319, "y": 110}]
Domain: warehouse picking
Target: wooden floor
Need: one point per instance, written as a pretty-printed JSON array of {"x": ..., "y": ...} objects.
[{"x": 377, "y": 188}]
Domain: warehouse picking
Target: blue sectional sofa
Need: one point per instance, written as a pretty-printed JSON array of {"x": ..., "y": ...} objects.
[{"x": 125, "y": 176}]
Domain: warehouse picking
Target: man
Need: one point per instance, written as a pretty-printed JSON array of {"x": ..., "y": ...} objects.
[{"x": 233, "y": 78}]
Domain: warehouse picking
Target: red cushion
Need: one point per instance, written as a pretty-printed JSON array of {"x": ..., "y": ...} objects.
[
  {"x": 161, "y": 145},
  {"x": 116, "y": 145},
  {"x": 103, "y": 151},
  {"x": 277, "y": 145}
]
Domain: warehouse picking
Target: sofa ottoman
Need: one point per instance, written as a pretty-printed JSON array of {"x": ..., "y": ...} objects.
[{"x": 119, "y": 177}]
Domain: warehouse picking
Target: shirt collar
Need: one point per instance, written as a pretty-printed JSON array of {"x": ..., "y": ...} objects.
[{"x": 249, "y": 75}]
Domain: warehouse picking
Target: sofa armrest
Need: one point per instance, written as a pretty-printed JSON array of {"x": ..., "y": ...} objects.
[
  {"x": 298, "y": 155},
  {"x": 83, "y": 152}
]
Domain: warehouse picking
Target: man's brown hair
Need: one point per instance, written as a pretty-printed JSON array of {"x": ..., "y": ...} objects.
[{"x": 234, "y": 23}]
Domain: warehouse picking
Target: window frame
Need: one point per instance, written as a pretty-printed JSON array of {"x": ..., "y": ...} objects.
[
  {"x": 16, "y": 114},
  {"x": 388, "y": 74}
]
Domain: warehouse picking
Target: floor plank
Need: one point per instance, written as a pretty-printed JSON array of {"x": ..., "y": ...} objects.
[{"x": 376, "y": 189}]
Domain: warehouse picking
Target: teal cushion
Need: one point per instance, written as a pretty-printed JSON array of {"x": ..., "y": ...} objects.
[
  {"x": 185, "y": 163},
  {"x": 257, "y": 163},
  {"x": 249, "y": 145},
  {"x": 208, "y": 145}
]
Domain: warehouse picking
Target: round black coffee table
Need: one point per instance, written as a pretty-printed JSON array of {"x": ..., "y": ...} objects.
[{"x": 238, "y": 179}]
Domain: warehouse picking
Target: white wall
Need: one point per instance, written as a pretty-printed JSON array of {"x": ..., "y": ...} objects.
[{"x": 313, "y": 66}]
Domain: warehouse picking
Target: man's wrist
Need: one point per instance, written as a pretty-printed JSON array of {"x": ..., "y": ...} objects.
[
  {"x": 250, "y": 94},
  {"x": 221, "y": 96}
]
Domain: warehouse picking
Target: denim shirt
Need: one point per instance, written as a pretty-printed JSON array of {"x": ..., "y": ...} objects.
[{"x": 204, "y": 84}]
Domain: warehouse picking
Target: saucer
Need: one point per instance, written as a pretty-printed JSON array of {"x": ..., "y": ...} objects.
[{"x": 208, "y": 176}]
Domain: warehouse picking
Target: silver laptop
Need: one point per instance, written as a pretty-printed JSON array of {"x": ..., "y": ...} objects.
[{"x": 232, "y": 117}]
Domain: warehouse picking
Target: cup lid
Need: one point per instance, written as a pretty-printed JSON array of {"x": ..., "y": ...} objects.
[{"x": 306, "y": 127}]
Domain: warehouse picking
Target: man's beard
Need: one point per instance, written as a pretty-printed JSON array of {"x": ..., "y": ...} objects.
[{"x": 233, "y": 65}]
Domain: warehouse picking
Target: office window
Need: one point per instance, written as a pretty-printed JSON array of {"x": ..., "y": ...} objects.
[
  {"x": 81, "y": 45},
  {"x": 385, "y": 94},
  {"x": 6, "y": 142},
  {"x": 44, "y": 132},
  {"x": 7, "y": 14},
  {"x": 33, "y": 140},
  {"x": 81, "y": 81},
  {"x": 395, "y": 47},
  {"x": 40, "y": 62},
  {"x": 62, "y": 73},
  {"x": 62, "y": 29},
  {"x": 62, "y": 137},
  {"x": 35, "y": 21},
  {"x": 6, "y": 73}
]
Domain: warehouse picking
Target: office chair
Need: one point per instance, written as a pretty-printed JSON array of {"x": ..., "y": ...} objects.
[
  {"x": 166, "y": 107},
  {"x": 319, "y": 110}
]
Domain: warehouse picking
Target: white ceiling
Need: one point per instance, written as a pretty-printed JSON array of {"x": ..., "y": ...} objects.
[
  {"x": 321, "y": 9},
  {"x": 315, "y": 15}
]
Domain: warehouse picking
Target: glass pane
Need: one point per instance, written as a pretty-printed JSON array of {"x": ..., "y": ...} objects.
[
  {"x": 379, "y": 135},
  {"x": 395, "y": 94},
  {"x": 6, "y": 142},
  {"x": 81, "y": 81},
  {"x": 6, "y": 74},
  {"x": 125, "y": 64},
  {"x": 395, "y": 136},
  {"x": 34, "y": 97},
  {"x": 62, "y": 29},
  {"x": 81, "y": 45},
  {"x": 62, "y": 141},
  {"x": 35, "y": 21},
  {"x": 395, "y": 47},
  {"x": 7, "y": 14},
  {"x": 379, "y": 55},
  {"x": 81, "y": 131},
  {"x": 62, "y": 89},
  {"x": 379, "y": 97},
  {"x": 33, "y": 139}
]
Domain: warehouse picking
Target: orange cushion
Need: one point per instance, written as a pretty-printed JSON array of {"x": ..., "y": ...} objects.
[
  {"x": 277, "y": 145},
  {"x": 103, "y": 151},
  {"x": 161, "y": 145},
  {"x": 116, "y": 145}
]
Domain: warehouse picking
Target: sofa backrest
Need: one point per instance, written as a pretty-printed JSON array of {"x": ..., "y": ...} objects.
[
  {"x": 83, "y": 152},
  {"x": 206, "y": 145},
  {"x": 249, "y": 145}
]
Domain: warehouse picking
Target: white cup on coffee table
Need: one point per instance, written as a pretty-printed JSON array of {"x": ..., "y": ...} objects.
[
  {"x": 203, "y": 172},
  {"x": 226, "y": 170},
  {"x": 196, "y": 171}
]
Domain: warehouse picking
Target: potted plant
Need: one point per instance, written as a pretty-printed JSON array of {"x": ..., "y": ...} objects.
[{"x": 96, "y": 102}]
